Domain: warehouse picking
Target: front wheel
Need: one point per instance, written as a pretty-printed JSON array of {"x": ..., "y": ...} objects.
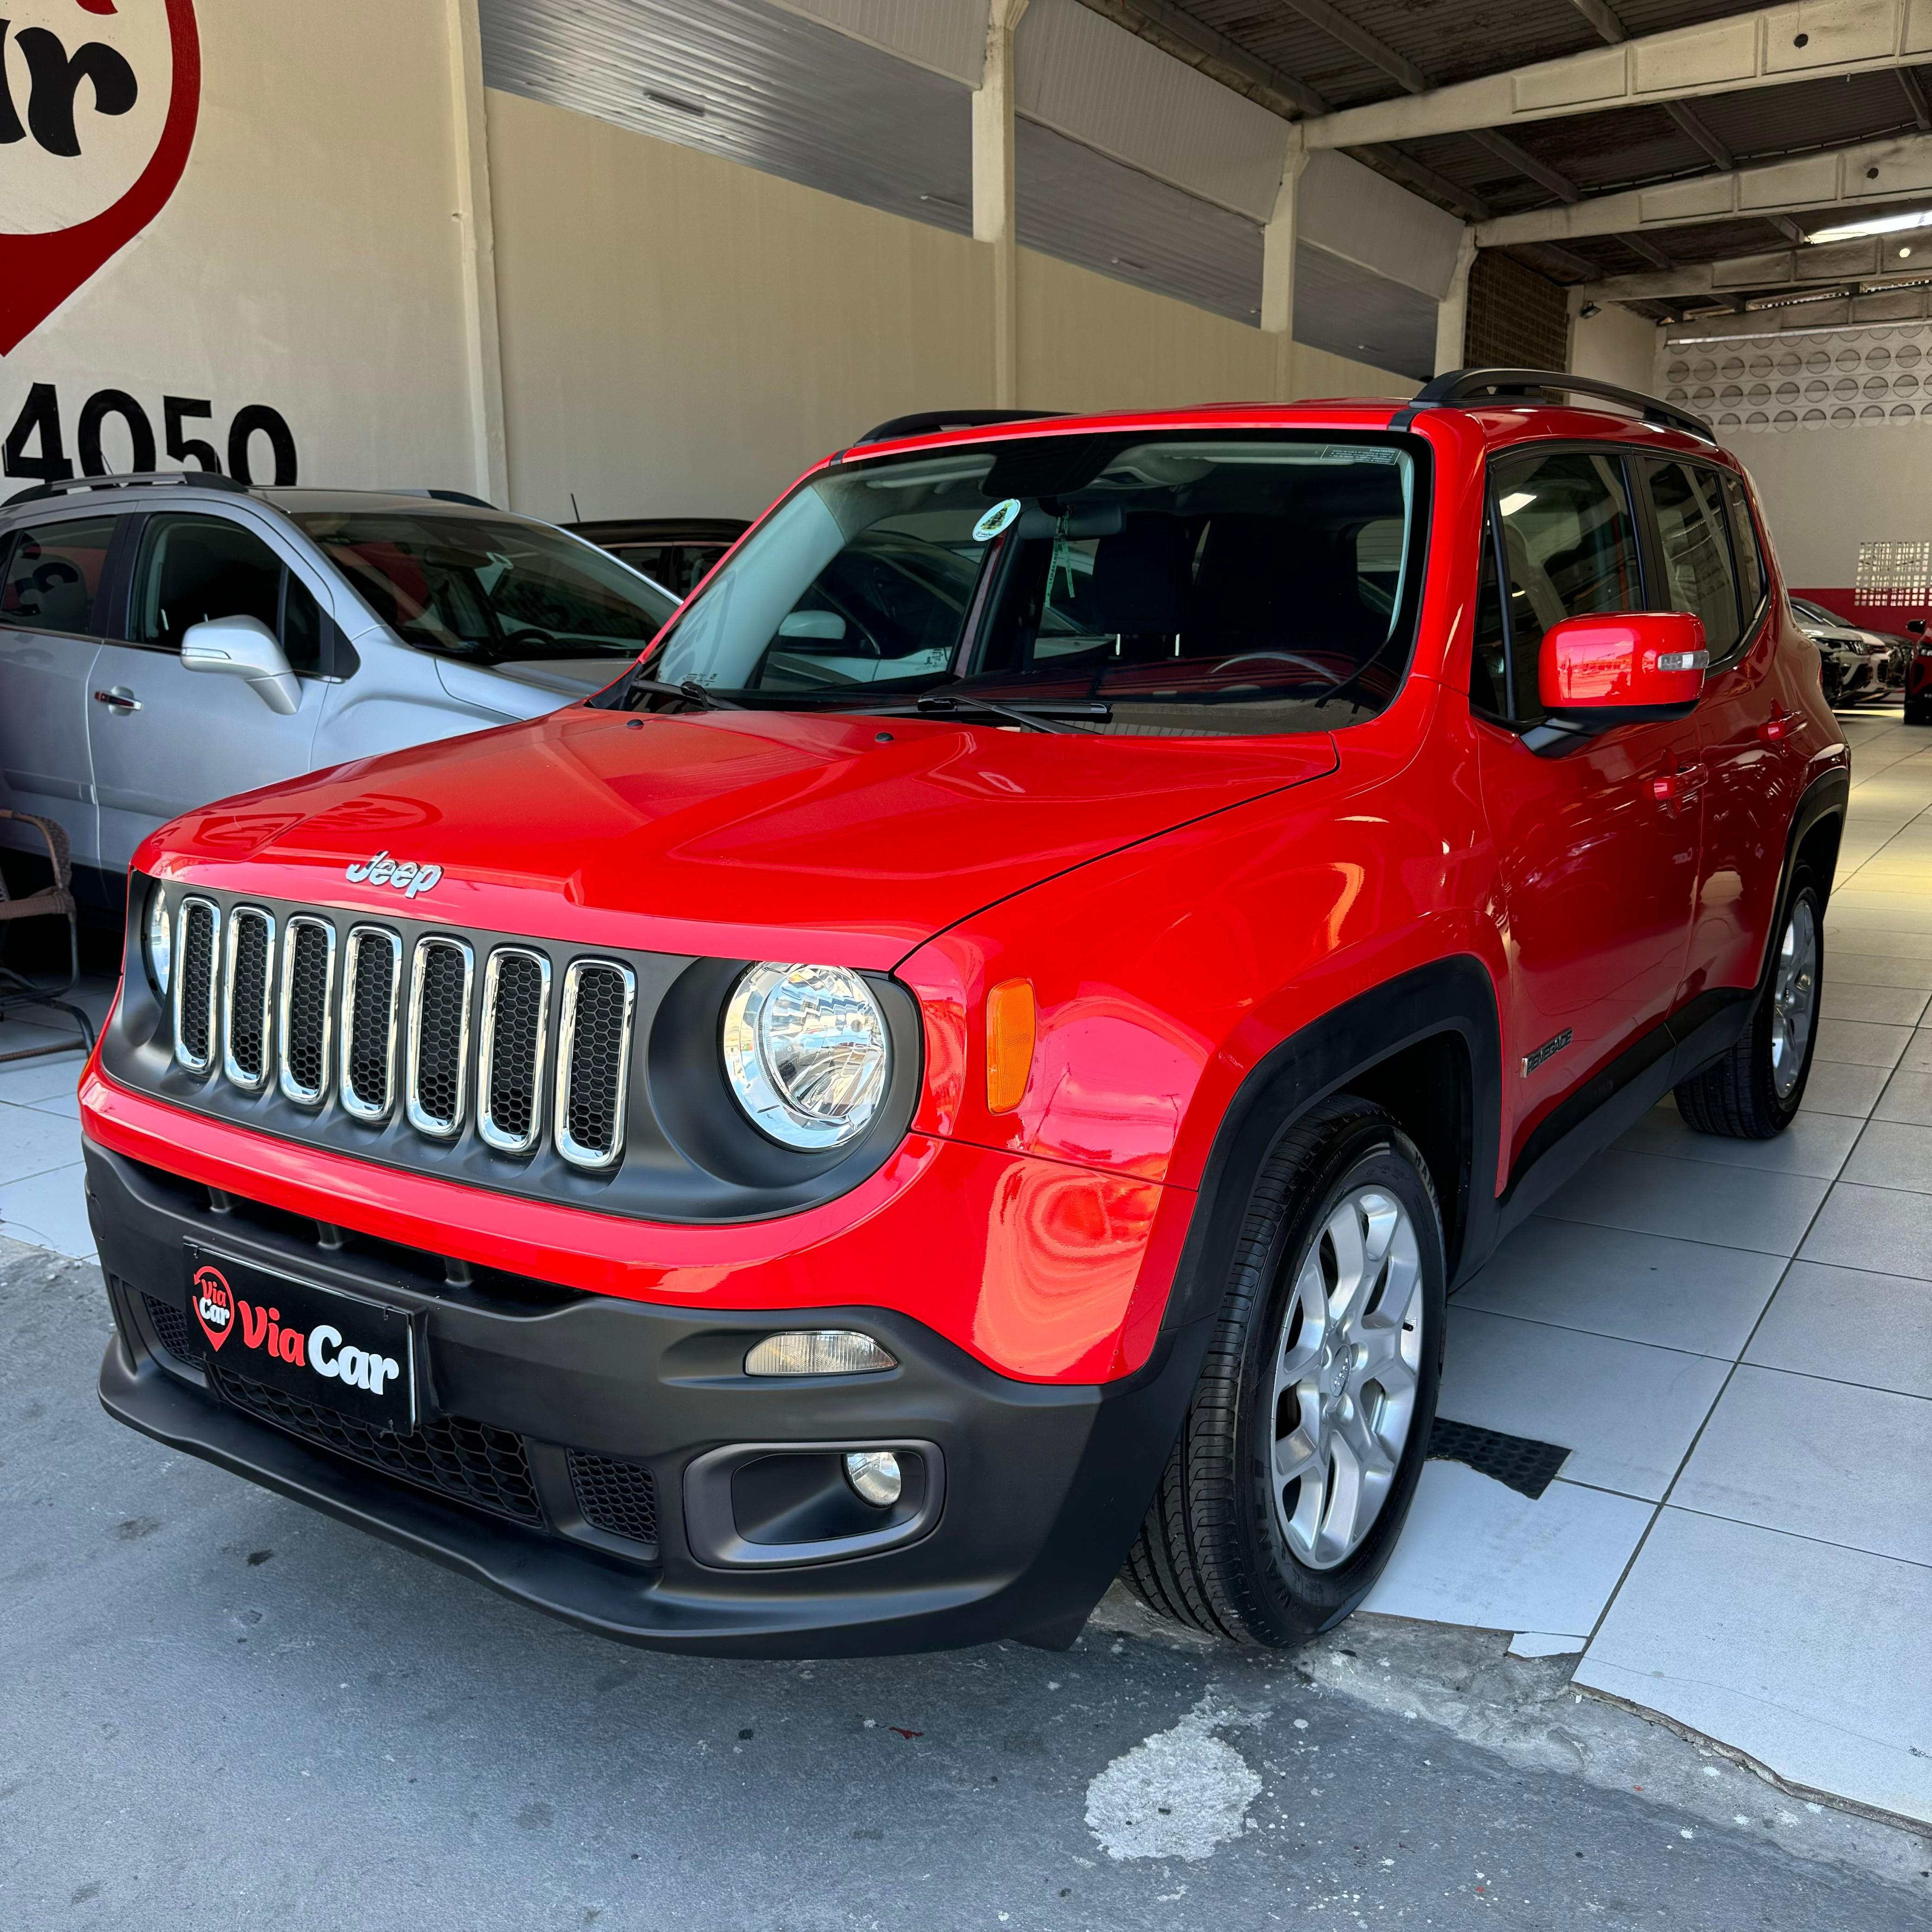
[
  {"x": 1283, "y": 1496},
  {"x": 1755, "y": 1091}
]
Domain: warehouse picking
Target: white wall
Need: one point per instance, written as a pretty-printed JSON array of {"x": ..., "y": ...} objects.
[
  {"x": 308, "y": 259},
  {"x": 1614, "y": 345}
]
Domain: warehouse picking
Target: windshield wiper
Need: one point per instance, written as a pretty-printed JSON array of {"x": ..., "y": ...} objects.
[
  {"x": 1046, "y": 716},
  {"x": 700, "y": 695}
]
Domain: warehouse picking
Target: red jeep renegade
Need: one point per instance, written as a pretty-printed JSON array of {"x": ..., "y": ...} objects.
[{"x": 783, "y": 1159}]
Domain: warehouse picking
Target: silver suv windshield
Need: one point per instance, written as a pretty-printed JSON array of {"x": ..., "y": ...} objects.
[
  {"x": 490, "y": 592},
  {"x": 1179, "y": 585}
]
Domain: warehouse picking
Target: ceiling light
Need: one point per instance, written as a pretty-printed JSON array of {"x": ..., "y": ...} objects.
[
  {"x": 1902, "y": 253},
  {"x": 1876, "y": 224}
]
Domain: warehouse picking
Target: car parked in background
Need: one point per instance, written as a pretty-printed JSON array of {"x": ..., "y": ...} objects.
[
  {"x": 802, "y": 1155},
  {"x": 164, "y": 641},
  {"x": 674, "y": 551},
  {"x": 1857, "y": 664}
]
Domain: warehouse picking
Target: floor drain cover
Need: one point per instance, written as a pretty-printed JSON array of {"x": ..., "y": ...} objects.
[{"x": 1515, "y": 1461}]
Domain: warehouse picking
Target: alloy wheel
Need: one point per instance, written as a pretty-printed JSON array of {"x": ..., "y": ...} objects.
[
  {"x": 1347, "y": 1365},
  {"x": 1794, "y": 998}
]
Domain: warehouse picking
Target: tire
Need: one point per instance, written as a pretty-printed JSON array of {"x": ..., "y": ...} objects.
[
  {"x": 1217, "y": 1552},
  {"x": 1919, "y": 711},
  {"x": 1754, "y": 1091}
]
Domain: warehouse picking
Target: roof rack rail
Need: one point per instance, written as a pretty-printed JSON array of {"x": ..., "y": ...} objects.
[
  {"x": 930, "y": 422},
  {"x": 209, "y": 479},
  {"x": 1470, "y": 388},
  {"x": 444, "y": 497}
]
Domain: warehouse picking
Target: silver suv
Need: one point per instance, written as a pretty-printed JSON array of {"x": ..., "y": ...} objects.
[{"x": 167, "y": 641}]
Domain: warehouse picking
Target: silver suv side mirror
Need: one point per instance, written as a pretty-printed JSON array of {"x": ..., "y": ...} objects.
[{"x": 244, "y": 647}]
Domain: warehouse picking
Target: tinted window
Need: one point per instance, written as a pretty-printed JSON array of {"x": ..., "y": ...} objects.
[
  {"x": 53, "y": 573},
  {"x": 1197, "y": 585},
  {"x": 1570, "y": 548},
  {"x": 1489, "y": 664},
  {"x": 1699, "y": 576},
  {"x": 194, "y": 569},
  {"x": 1745, "y": 545}
]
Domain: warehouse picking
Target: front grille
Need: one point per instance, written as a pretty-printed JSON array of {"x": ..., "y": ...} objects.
[
  {"x": 195, "y": 987},
  {"x": 620, "y": 1498},
  {"x": 439, "y": 1035},
  {"x": 170, "y": 1327},
  {"x": 594, "y": 1053},
  {"x": 251, "y": 943},
  {"x": 516, "y": 1018},
  {"x": 470, "y": 1462},
  {"x": 308, "y": 1003},
  {"x": 373, "y": 967}
]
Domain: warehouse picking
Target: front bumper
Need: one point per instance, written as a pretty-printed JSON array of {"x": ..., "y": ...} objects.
[{"x": 1043, "y": 1484}]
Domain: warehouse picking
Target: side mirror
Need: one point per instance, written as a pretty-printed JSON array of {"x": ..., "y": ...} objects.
[
  {"x": 1633, "y": 668},
  {"x": 1917, "y": 627},
  {"x": 826, "y": 627},
  {"x": 244, "y": 647}
]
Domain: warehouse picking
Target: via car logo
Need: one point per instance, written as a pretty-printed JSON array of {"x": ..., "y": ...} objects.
[
  {"x": 99, "y": 100},
  {"x": 408, "y": 877}
]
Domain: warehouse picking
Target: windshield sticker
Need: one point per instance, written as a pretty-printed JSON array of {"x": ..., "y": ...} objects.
[{"x": 996, "y": 520}]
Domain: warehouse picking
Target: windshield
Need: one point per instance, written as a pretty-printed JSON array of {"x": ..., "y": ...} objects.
[
  {"x": 1172, "y": 586},
  {"x": 490, "y": 592}
]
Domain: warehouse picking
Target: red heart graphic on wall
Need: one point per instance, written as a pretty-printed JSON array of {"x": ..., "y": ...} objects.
[
  {"x": 214, "y": 1306},
  {"x": 39, "y": 271}
]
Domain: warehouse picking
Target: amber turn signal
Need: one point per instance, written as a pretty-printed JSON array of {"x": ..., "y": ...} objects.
[{"x": 1010, "y": 1026}]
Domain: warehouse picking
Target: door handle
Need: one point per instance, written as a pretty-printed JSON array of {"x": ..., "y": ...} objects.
[
  {"x": 119, "y": 699},
  {"x": 1680, "y": 788}
]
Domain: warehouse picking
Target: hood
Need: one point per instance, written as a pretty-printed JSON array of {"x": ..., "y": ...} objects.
[{"x": 735, "y": 834}]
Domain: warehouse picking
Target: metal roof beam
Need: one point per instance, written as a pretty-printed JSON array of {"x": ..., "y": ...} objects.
[
  {"x": 1846, "y": 180},
  {"x": 1872, "y": 263},
  {"x": 1802, "y": 40}
]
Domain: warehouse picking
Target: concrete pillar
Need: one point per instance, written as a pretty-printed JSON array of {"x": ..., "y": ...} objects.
[
  {"x": 476, "y": 244},
  {"x": 993, "y": 193},
  {"x": 1278, "y": 241},
  {"x": 1452, "y": 312}
]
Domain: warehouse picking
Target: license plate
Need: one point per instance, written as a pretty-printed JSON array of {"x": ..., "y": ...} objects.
[{"x": 337, "y": 1351}]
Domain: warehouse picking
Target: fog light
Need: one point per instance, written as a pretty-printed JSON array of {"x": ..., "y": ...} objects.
[
  {"x": 818, "y": 1351},
  {"x": 875, "y": 1474}
]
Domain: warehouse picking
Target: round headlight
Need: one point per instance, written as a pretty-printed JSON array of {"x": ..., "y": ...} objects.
[
  {"x": 160, "y": 940},
  {"x": 806, "y": 1054}
]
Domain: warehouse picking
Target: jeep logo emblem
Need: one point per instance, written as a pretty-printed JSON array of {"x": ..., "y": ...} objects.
[{"x": 408, "y": 877}]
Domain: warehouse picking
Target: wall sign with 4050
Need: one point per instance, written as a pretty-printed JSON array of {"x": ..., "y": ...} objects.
[{"x": 35, "y": 447}]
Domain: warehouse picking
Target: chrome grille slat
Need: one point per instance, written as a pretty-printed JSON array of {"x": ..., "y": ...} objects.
[
  {"x": 440, "y": 977},
  {"x": 247, "y": 997},
  {"x": 371, "y": 977},
  {"x": 515, "y": 1032},
  {"x": 593, "y": 1059},
  {"x": 306, "y": 1011},
  {"x": 197, "y": 935}
]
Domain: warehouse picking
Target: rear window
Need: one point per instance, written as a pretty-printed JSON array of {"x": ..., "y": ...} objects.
[
  {"x": 52, "y": 575},
  {"x": 1194, "y": 585}
]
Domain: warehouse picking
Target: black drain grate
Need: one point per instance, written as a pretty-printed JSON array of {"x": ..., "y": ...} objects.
[{"x": 1528, "y": 1467}]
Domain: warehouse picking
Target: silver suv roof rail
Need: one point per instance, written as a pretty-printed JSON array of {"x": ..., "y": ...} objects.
[
  {"x": 208, "y": 479},
  {"x": 1472, "y": 389}
]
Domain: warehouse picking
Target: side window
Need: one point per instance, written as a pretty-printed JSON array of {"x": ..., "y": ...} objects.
[
  {"x": 1489, "y": 663},
  {"x": 1751, "y": 575},
  {"x": 193, "y": 568},
  {"x": 1698, "y": 574},
  {"x": 1570, "y": 549},
  {"x": 53, "y": 573}
]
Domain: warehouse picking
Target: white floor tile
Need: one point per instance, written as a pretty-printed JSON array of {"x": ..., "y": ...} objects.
[
  {"x": 1627, "y": 1412},
  {"x": 1892, "y": 1154},
  {"x": 28, "y": 1081},
  {"x": 1541, "y": 1643},
  {"x": 18, "y": 1035},
  {"x": 1877, "y": 1228},
  {"x": 1897, "y": 912},
  {"x": 1810, "y": 1658},
  {"x": 1637, "y": 1288},
  {"x": 32, "y": 1142},
  {"x": 1831, "y": 1460},
  {"x": 1917, "y": 1057},
  {"x": 1907, "y": 1096},
  {"x": 1850, "y": 1091},
  {"x": 1877, "y": 969},
  {"x": 1895, "y": 1005},
  {"x": 1860, "y": 1042},
  {"x": 1475, "y": 1552},
  {"x": 1875, "y": 1330},
  {"x": 1694, "y": 1200},
  {"x": 1861, "y": 936},
  {"x": 66, "y": 1105},
  {"x": 1815, "y": 1144},
  {"x": 49, "y": 1211}
]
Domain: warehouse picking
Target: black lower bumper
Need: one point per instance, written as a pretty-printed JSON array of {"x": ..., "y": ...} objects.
[{"x": 1032, "y": 1493}]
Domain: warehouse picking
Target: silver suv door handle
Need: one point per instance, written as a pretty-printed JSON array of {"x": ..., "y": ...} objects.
[{"x": 119, "y": 699}]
